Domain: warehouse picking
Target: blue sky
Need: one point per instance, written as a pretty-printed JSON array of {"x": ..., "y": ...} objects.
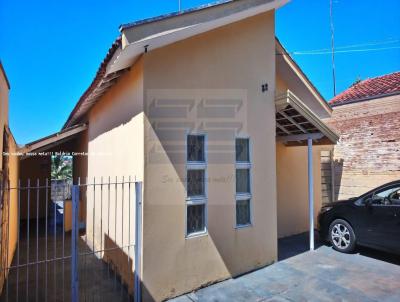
[{"x": 51, "y": 50}]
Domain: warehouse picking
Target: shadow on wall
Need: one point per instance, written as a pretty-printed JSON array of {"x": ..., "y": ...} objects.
[
  {"x": 174, "y": 265},
  {"x": 337, "y": 174},
  {"x": 119, "y": 261},
  {"x": 119, "y": 106}
]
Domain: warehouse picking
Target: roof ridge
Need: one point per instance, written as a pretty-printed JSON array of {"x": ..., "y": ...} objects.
[
  {"x": 380, "y": 76},
  {"x": 173, "y": 14}
]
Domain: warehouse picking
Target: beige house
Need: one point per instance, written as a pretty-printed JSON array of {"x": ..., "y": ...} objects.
[{"x": 207, "y": 109}]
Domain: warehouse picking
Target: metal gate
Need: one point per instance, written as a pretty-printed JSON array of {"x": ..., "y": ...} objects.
[{"x": 81, "y": 247}]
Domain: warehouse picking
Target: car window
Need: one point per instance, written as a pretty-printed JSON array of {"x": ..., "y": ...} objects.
[
  {"x": 385, "y": 196},
  {"x": 394, "y": 197}
]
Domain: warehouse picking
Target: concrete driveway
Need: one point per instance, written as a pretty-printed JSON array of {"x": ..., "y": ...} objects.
[{"x": 322, "y": 275}]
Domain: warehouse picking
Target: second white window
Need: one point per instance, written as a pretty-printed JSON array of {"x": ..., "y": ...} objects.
[
  {"x": 196, "y": 188},
  {"x": 243, "y": 182}
]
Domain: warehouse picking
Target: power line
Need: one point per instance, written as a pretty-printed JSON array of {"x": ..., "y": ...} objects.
[
  {"x": 343, "y": 51},
  {"x": 347, "y": 48},
  {"x": 333, "y": 48},
  {"x": 328, "y": 50}
]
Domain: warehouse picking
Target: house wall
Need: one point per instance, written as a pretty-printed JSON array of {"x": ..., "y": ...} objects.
[
  {"x": 34, "y": 169},
  {"x": 367, "y": 154},
  {"x": 187, "y": 85},
  {"x": 80, "y": 170},
  {"x": 292, "y": 180},
  {"x": 9, "y": 204},
  {"x": 119, "y": 113},
  {"x": 38, "y": 168},
  {"x": 13, "y": 162},
  {"x": 115, "y": 150},
  {"x": 80, "y": 162},
  {"x": 4, "y": 91}
]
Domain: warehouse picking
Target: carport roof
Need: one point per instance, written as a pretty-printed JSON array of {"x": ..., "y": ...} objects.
[
  {"x": 295, "y": 122},
  {"x": 52, "y": 140}
]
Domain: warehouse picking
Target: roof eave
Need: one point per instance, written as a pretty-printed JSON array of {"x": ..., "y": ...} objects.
[
  {"x": 173, "y": 14},
  {"x": 303, "y": 77},
  {"x": 139, "y": 38},
  {"x": 42, "y": 143},
  {"x": 291, "y": 99},
  {"x": 5, "y": 75}
]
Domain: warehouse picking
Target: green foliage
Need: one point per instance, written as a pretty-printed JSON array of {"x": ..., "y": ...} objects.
[{"x": 61, "y": 167}]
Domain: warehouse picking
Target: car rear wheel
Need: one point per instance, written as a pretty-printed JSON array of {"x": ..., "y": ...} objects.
[{"x": 341, "y": 236}]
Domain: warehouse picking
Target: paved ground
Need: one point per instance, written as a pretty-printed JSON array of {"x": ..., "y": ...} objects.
[{"x": 322, "y": 275}]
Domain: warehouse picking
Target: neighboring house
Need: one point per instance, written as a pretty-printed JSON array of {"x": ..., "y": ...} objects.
[
  {"x": 210, "y": 112},
  {"x": 8, "y": 179},
  {"x": 367, "y": 117}
]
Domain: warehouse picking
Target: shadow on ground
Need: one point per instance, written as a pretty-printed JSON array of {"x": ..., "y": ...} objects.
[
  {"x": 295, "y": 245},
  {"x": 302, "y": 275},
  {"x": 379, "y": 255},
  {"x": 298, "y": 244}
]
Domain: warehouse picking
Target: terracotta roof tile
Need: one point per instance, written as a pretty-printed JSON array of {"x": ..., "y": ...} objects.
[
  {"x": 369, "y": 88},
  {"x": 96, "y": 83}
]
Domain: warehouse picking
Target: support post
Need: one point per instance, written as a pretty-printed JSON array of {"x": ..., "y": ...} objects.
[
  {"x": 333, "y": 191},
  {"x": 311, "y": 191},
  {"x": 74, "y": 245},
  {"x": 138, "y": 242}
]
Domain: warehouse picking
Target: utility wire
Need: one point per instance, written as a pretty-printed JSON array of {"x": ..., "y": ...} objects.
[
  {"x": 375, "y": 43},
  {"x": 343, "y": 51},
  {"x": 347, "y": 48},
  {"x": 333, "y": 48}
]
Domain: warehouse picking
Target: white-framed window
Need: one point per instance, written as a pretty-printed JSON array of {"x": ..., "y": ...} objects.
[
  {"x": 196, "y": 185},
  {"x": 243, "y": 182}
]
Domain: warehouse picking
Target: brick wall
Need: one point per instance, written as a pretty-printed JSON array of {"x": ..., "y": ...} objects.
[{"x": 368, "y": 152}]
